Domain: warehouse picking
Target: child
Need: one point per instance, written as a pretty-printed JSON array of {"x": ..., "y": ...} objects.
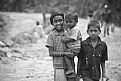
[
  {"x": 107, "y": 19},
  {"x": 57, "y": 47},
  {"x": 93, "y": 53},
  {"x": 72, "y": 38},
  {"x": 90, "y": 15},
  {"x": 39, "y": 31}
]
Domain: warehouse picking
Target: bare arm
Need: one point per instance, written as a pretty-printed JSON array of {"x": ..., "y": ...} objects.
[
  {"x": 58, "y": 54},
  {"x": 65, "y": 39},
  {"x": 53, "y": 53},
  {"x": 104, "y": 70},
  {"x": 103, "y": 67}
]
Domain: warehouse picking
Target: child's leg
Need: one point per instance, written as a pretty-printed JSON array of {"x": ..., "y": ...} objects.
[
  {"x": 104, "y": 25},
  {"x": 68, "y": 62},
  {"x": 69, "y": 65},
  {"x": 108, "y": 28}
]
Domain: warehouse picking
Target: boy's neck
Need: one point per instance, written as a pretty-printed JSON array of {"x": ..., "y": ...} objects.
[
  {"x": 94, "y": 40},
  {"x": 72, "y": 27},
  {"x": 60, "y": 31}
]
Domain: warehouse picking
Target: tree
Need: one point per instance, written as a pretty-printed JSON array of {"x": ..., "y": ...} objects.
[
  {"x": 116, "y": 10},
  {"x": 44, "y": 12}
]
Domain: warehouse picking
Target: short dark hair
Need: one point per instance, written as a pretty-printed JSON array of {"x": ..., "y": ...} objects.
[
  {"x": 94, "y": 23},
  {"x": 72, "y": 15},
  {"x": 55, "y": 13}
]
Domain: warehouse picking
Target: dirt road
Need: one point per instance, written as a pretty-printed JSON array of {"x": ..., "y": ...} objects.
[{"x": 36, "y": 65}]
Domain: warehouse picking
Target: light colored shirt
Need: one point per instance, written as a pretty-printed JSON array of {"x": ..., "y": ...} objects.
[
  {"x": 39, "y": 31},
  {"x": 75, "y": 34},
  {"x": 54, "y": 40}
]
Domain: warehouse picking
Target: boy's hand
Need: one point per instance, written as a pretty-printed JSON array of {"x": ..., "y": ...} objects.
[
  {"x": 104, "y": 77},
  {"x": 63, "y": 39},
  {"x": 79, "y": 77},
  {"x": 69, "y": 55}
]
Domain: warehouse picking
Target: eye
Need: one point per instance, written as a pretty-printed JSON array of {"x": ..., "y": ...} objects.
[
  {"x": 60, "y": 20},
  {"x": 66, "y": 21},
  {"x": 69, "y": 21},
  {"x": 55, "y": 21},
  {"x": 93, "y": 30}
]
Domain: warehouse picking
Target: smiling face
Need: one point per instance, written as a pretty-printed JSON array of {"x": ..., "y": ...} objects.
[
  {"x": 93, "y": 32},
  {"x": 58, "y": 23}
]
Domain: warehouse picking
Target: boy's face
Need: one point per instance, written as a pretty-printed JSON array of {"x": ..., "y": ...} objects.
[
  {"x": 58, "y": 22},
  {"x": 93, "y": 32},
  {"x": 70, "y": 23}
]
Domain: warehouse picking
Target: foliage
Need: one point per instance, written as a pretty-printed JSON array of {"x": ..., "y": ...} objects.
[
  {"x": 116, "y": 10},
  {"x": 80, "y": 6}
]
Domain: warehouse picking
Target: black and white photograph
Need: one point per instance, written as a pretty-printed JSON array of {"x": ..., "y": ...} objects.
[{"x": 60, "y": 40}]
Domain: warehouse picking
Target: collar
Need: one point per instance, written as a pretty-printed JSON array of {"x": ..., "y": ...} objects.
[
  {"x": 56, "y": 33},
  {"x": 72, "y": 27},
  {"x": 87, "y": 41}
]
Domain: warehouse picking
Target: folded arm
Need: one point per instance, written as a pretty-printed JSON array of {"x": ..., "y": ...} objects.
[
  {"x": 65, "y": 39},
  {"x": 58, "y": 54}
]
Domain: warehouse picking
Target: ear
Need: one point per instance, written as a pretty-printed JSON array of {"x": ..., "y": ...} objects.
[
  {"x": 99, "y": 32},
  {"x": 87, "y": 32}
]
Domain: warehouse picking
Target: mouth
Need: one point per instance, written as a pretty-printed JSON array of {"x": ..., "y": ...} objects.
[
  {"x": 93, "y": 36},
  {"x": 59, "y": 26}
]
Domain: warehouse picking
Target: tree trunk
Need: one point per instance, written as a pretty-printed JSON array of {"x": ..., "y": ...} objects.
[{"x": 44, "y": 13}]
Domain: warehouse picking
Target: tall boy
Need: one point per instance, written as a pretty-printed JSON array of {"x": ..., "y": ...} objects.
[
  {"x": 93, "y": 53},
  {"x": 57, "y": 47}
]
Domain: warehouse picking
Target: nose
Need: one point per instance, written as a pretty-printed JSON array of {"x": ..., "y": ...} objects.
[
  {"x": 58, "y": 22},
  {"x": 93, "y": 32}
]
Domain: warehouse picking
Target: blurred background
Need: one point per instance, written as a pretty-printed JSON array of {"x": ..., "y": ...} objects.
[
  {"x": 82, "y": 7},
  {"x": 23, "y": 55}
]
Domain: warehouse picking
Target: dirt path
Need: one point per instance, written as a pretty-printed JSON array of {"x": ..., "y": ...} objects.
[
  {"x": 36, "y": 65},
  {"x": 114, "y": 62}
]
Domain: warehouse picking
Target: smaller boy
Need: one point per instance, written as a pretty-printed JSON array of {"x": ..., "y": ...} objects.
[
  {"x": 93, "y": 54},
  {"x": 72, "y": 38}
]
